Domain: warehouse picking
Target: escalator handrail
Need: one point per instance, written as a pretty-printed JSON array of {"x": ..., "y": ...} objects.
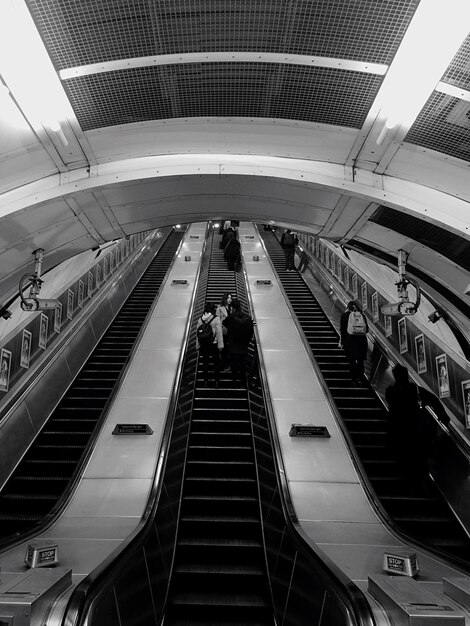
[
  {"x": 86, "y": 591},
  {"x": 353, "y": 598}
]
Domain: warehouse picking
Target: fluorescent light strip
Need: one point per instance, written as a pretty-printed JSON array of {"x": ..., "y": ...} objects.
[
  {"x": 433, "y": 38},
  {"x": 27, "y": 69}
]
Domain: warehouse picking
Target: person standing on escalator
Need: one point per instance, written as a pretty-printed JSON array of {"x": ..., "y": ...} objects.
[
  {"x": 239, "y": 334},
  {"x": 353, "y": 338},
  {"x": 209, "y": 342},
  {"x": 413, "y": 432},
  {"x": 288, "y": 243}
]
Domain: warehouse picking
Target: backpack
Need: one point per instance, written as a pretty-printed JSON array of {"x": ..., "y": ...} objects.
[
  {"x": 241, "y": 328},
  {"x": 289, "y": 240},
  {"x": 356, "y": 324},
  {"x": 205, "y": 334}
]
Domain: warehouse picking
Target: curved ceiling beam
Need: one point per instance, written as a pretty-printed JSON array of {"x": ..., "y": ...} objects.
[{"x": 446, "y": 211}]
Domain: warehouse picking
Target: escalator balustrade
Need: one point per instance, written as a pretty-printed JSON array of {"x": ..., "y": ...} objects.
[
  {"x": 416, "y": 507},
  {"x": 43, "y": 475},
  {"x": 219, "y": 572}
]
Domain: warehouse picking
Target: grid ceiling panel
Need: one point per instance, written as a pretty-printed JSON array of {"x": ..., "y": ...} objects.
[
  {"x": 81, "y": 32},
  {"x": 458, "y": 72},
  {"x": 452, "y": 246},
  {"x": 265, "y": 90},
  {"x": 443, "y": 125}
]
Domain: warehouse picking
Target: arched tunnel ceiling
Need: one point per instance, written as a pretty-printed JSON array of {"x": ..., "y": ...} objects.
[{"x": 181, "y": 111}]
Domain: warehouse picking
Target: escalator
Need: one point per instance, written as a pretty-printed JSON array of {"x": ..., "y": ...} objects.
[
  {"x": 218, "y": 543},
  {"x": 219, "y": 573},
  {"x": 417, "y": 508},
  {"x": 43, "y": 475}
]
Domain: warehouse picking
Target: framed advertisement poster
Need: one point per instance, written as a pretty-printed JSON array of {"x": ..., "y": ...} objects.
[
  {"x": 58, "y": 318},
  {"x": 70, "y": 297},
  {"x": 442, "y": 372},
  {"x": 25, "y": 349},
  {"x": 81, "y": 292},
  {"x": 5, "y": 365},
  {"x": 354, "y": 286},
  {"x": 339, "y": 269},
  {"x": 43, "y": 325},
  {"x": 420, "y": 348},
  {"x": 466, "y": 401},
  {"x": 89, "y": 286},
  {"x": 364, "y": 300},
  {"x": 374, "y": 299},
  {"x": 346, "y": 277},
  {"x": 388, "y": 325},
  {"x": 402, "y": 336},
  {"x": 98, "y": 275}
]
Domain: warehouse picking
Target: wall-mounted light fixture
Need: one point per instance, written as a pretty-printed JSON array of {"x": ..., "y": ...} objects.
[{"x": 435, "y": 316}]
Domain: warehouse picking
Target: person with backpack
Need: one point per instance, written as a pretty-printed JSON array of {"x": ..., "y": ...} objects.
[
  {"x": 288, "y": 243},
  {"x": 353, "y": 338},
  {"x": 239, "y": 334},
  {"x": 209, "y": 342}
]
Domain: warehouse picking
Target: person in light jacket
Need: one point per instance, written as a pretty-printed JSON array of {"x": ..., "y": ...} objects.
[
  {"x": 223, "y": 311},
  {"x": 212, "y": 352}
]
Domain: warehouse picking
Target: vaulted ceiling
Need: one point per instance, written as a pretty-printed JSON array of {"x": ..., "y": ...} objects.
[{"x": 268, "y": 110}]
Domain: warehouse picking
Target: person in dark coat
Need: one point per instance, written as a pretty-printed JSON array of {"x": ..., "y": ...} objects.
[
  {"x": 227, "y": 232},
  {"x": 288, "y": 243},
  {"x": 239, "y": 334},
  {"x": 232, "y": 253},
  {"x": 412, "y": 429},
  {"x": 355, "y": 346}
]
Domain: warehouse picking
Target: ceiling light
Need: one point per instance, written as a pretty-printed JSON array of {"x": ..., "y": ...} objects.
[
  {"x": 431, "y": 41},
  {"x": 27, "y": 69}
]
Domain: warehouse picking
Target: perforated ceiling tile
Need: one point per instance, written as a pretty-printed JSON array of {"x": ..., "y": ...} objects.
[
  {"x": 443, "y": 125},
  {"x": 80, "y": 32},
  {"x": 458, "y": 72},
  {"x": 446, "y": 243},
  {"x": 264, "y": 90}
]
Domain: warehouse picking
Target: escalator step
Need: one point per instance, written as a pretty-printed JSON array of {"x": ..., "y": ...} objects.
[
  {"x": 208, "y": 568},
  {"x": 29, "y": 517}
]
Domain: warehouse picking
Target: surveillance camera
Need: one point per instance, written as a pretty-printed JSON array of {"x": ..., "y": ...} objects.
[
  {"x": 38, "y": 304},
  {"x": 399, "y": 308}
]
